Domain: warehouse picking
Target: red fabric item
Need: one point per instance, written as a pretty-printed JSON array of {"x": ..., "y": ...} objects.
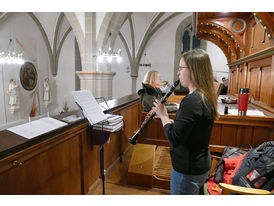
[
  {"x": 212, "y": 187},
  {"x": 231, "y": 166},
  {"x": 33, "y": 108}
]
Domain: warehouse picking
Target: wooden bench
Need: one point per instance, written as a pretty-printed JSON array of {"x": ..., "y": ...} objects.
[
  {"x": 141, "y": 165},
  {"x": 150, "y": 166}
]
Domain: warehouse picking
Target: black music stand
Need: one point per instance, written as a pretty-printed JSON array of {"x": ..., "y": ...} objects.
[
  {"x": 101, "y": 149},
  {"x": 95, "y": 130}
]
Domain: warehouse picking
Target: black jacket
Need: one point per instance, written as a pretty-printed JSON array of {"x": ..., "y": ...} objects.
[
  {"x": 223, "y": 90},
  {"x": 257, "y": 168},
  {"x": 148, "y": 94},
  {"x": 189, "y": 136}
]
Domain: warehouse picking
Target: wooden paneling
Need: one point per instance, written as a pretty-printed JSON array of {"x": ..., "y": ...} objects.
[
  {"x": 258, "y": 77},
  {"x": 131, "y": 117},
  {"x": 272, "y": 80},
  {"x": 91, "y": 161},
  {"x": 237, "y": 131},
  {"x": 216, "y": 135},
  {"x": 48, "y": 172},
  {"x": 65, "y": 161},
  {"x": 234, "y": 81},
  {"x": 260, "y": 39},
  {"x": 153, "y": 133},
  {"x": 228, "y": 135},
  {"x": 266, "y": 86},
  {"x": 242, "y": 76},
  {"x": 256, "y": 38},
  {"x": 261, "y": 134},
  {"x": 254, "y": 82},
  {"x": 227, "y": 131},
  {"x": 244, "y": 135}
]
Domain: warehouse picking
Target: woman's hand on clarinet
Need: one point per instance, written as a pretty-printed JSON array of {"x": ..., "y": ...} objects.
[
  {"x": 159, "y": 109},
  {"x": 161, "y": 112}
]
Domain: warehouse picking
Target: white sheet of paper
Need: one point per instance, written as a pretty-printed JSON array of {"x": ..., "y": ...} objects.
[
  {"x": 89, "y": 105},
  {"x": 233, "y": 111},
  {"x": 255, "y": 113},
  {"x": 37, "y": 127},
  {"x": 249, "y": 112}
]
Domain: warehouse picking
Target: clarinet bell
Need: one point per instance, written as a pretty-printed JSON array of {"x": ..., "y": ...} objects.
[{"x": 133, "y": 139}]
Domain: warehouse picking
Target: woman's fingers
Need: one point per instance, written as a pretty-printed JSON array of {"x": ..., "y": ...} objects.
[{"x": 157, "y": 102}]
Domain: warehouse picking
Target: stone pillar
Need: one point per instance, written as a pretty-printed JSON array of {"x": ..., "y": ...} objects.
[
  {"x": 102, "y": 82},
  {"x": 133, "y": 83},
  {"x": 90, "y": 42},
  {"x": 92, "y": 77}
]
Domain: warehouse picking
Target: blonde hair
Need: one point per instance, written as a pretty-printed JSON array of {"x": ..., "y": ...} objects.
[
  {"x": 200, "y": 67},
  {"x": 150, "y": 77}
]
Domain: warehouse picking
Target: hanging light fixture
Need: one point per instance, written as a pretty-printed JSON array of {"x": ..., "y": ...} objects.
[
  {"x": 11, "y": 57},
  {"x": 109, "y": 55}
]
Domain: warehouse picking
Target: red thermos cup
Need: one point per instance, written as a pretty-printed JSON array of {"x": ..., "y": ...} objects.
[{"x": 243, "y": 101}]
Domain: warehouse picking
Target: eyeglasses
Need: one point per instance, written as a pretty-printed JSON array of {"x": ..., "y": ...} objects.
[{"x": 180, "y": 68}]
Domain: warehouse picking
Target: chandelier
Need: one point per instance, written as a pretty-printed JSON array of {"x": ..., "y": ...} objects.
[
  {"x": 109, "y": 55},
  {"x": 11, "y": 57}
]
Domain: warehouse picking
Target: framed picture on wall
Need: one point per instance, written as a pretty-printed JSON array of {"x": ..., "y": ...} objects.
[{"x": 28, "y": 76}]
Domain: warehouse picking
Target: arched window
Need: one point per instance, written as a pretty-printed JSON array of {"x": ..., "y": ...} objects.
[
  {"x": 185, "y": 42},
  {"x": 189, "y": 41},
  {"x": 196, "y": 43}
]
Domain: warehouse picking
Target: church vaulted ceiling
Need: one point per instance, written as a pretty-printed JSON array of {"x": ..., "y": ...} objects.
[{"x": 228, "y": 30}]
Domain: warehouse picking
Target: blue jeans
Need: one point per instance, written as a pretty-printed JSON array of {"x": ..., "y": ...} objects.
[{"x": 181, "y": 184}]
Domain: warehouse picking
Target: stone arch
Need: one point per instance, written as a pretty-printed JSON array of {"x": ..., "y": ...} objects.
[
  {"x": 112, "y": 23},
  {"x": 78, "y": 32}
]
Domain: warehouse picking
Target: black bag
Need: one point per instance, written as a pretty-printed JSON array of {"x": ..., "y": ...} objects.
[
  {"x": 228, "y": 153},
  {"x": 257, "y": 168}
]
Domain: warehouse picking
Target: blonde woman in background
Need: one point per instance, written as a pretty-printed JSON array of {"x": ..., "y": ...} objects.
[{"x": 150, "y": 90}]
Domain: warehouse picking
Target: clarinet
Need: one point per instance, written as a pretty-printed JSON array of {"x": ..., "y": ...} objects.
[{"x": 151, "y": 114}]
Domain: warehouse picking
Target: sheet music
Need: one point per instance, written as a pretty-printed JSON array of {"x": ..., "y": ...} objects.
[
  {"x": 110, "y": 128},
  {"x": 37, "y": 127},
  {"x": 89, "y": 106}
]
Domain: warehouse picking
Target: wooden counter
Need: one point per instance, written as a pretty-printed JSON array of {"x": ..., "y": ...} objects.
[
  {"x": 63, "y": 161},
  {"x": 66, "y": 161},
  {"x": 229, "y": 130}
]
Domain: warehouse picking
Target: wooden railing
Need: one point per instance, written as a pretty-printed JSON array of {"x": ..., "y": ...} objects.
[
  {"x": 65, "y": 161},
  {"x": 229, "y": 130}
]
